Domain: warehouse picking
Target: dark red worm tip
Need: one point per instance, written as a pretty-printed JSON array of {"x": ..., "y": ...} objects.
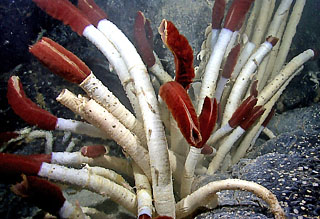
[
  {"x": 272, "y": 40},
  {"x": 26, "y": 109},
  {"x": 66, "y": 12},
  {"x": 144, "y": 39},
  {"x": 231, "y": 61},
  {"x": 92, "y": 11},
  {"x": 254, "y": 114},
  {"x": 207, "y": 119},
  {"x": 13, "y": 165},
  {"x": 218, "y": 13},
  {"x": 39, "y": 157},
  {"x": 144, "y": 216},
  {"x": 93, "y": 151},
  {"x": 269, "y": 117},
  {"x": 60, "y": 61},
  {"x": 236, "y": 14},
  {"x": 7, "y": 136},
  {"x": 182, "y": 51},
  {"x": 206, "y": 149},
  {"x": 242, "y": 111},
  {"x": 182, "y": 110},
  {"x": 253, "y": 89},
  {"x": 41, "y": 192}
]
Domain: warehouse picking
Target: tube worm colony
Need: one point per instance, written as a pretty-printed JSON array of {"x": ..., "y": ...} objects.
[{"x": 200, "y": 113}]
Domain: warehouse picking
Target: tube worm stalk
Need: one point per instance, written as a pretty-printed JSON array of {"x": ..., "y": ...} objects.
[
  {"x": 144, "y": 194},
  {"x": 201, "y": 196},
  {"x": 76, "y": 159},
  {"x": 283, "y": 76},
  {"x": 262, "y": 22},
  {"x": 158, "y": 70},
  {"x": 251, "y": 20},
  {"x": 101, "y": 118},
  {"x": 97, "y": 91},
  {"x": 188, "y": 171},
  {"x": 158, "y": 149},
  {"x": 279, "y": 19},
  {"x": 288, "y": 36},
  {"x": 110, "y": 175},
  {"x": 92, "y": 182}
]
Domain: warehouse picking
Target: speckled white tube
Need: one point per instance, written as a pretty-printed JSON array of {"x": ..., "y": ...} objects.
[
  {"x": 98, "y": 184},
  {"x": 158, "y": 148},
  {"x": 100, "y": 93}
]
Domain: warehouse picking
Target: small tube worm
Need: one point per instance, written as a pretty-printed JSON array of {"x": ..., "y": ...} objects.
[
  {"x": 182, "y": 51},
  {"x": 238, "y": 116},
  {"x": 46, "y": 196},
  {"x": 208, "y": 150},
  {"x": 14, "y": 165},
  {"x": 227, "y": 71},
  {"x": 93, "y": 151},
  {"x": 34, "y": 115},
  {"x": 26, "y": 108},
  {"x": 263, "y": 126},
  {"x": 207, "y": 120},
  {"x": 217, "y": 17},
  {"x": 247, "y": 140},
  {"x": 254, "y": 114}
]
